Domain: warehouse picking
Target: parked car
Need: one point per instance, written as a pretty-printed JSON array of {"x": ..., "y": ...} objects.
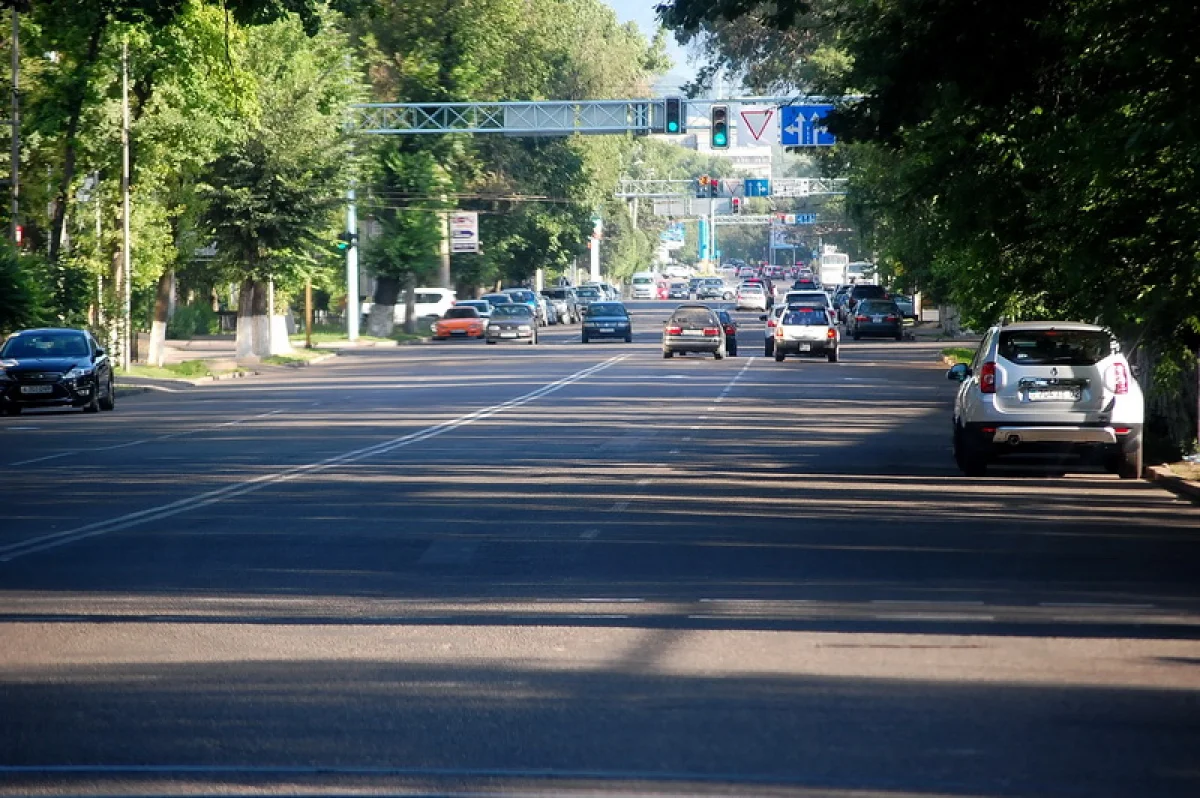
[
  {"x": 713, "y": 288},
  {"x": 771, "y": 318},
  {"x": 512, "y": 322},
  {"x": 531, "y": 299},
  {"x": 731, "y": 328},
  {"x": 693, "y": 328},
  {"x": 430, "y": 303},
  {"x": 460, "y": 321},
  {"x": 806, "y": 330},
  {"x": 564, "y": 303},
  {"x": 55, "y": 367},
  {"x": 606, "y": 320},
  {"x": 906, "y": 305},
  {"x": 482, "y": 306},
  {"x": 586, "y": 295},
  {"x": 1048, "y": 387},
  {"x": 497, "y": 299},
  {"x": 751, "y": 296},
  {"x": 860, "y": 291},
  {"x": 878, "y": 318}
]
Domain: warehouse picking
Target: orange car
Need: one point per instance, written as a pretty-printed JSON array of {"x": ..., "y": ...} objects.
[{"x": 458, "y": 322}]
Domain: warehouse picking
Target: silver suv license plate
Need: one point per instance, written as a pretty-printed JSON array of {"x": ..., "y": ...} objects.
[{"x": 1054, "y": 395}]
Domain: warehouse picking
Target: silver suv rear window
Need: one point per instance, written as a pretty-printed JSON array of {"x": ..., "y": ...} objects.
[{"x": 1058, "y": 347}]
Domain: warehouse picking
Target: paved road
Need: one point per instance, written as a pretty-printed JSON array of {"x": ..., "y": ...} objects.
[{"x": 453, "y": 569}]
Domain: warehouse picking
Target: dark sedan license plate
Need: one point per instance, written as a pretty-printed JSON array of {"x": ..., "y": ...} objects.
[{"x": 37, "y": 389}]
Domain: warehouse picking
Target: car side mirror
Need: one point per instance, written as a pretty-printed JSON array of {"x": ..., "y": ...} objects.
[
  {"x": 100, "y": 352},
  {"x": 959, "y": 372}
]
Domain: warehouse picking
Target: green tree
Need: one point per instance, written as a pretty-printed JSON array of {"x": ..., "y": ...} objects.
[{"x": 272, "y": 195}]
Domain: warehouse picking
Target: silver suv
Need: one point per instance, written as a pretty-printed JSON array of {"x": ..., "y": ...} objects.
[{"x": 1048, "y": 387}]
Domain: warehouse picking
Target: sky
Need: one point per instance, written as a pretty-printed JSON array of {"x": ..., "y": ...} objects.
[{"x": 642, "y": 12}]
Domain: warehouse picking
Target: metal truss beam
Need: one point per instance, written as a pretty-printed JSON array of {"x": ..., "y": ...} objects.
[
  {"x": 545, "y": 118},
  {"x": 794, "y": 187}
]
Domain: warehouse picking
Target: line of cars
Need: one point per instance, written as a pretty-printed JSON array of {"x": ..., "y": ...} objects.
[{"x": 515, "y": 314}]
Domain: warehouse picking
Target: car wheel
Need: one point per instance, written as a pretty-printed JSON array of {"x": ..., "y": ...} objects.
[
  {"x": 727, "y": 296},
  {"x": 667, "y": 354},
  {"x": 719, "y": 354},
  {"x": 768, "y": 347},
  {"x": 109, "y": 402},
  {"x": 733, "y": 351},
  {"x": 833, "y": 356},
  {"x": 900, "y": 336},
  {"x": 856, "y": 336},
  {"x": 93, "y": 406},
  {"x": 14, "y": 410},
  {"x": 585, "y": 339},
  {"x": 969, "y": 461},
  {"x": 490, "y": 342},
  {"x": 779, "y": 356},
  {"x": 628, "y": 339},
  {"x": 1128, "y": 464}
]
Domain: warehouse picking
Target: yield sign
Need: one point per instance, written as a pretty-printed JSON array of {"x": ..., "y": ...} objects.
[{"x": 755, "y": 122}]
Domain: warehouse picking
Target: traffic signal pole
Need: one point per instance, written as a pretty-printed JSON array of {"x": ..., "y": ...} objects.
[{"x": 352, "y": 266}]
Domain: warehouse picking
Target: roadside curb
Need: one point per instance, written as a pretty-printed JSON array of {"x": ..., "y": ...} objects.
[{"x": 1162, "y": 476}]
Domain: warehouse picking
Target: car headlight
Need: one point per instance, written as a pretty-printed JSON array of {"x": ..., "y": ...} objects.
[
  {"x": 77, "y": 372},
  {"x": 589, "y": 324},
  {"x": 525, "y": 328}
]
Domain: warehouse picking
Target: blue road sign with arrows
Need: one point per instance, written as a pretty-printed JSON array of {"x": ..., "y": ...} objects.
[
  {"x": 804, "y": 126},
  {"x": 757, "y": 188}
]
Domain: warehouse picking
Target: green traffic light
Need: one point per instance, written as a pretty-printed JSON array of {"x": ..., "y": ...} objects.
[
  {"x": 719, "y": 139},
  {"x": 672, "y": 127}
]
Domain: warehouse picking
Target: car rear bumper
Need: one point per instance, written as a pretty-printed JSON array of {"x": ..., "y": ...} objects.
[
  {"x": 879, "y": 330},
  {"x": 814, "y": 347},
  {"x": 1031, "y": 438},
  {"x": 674, "y": 344}
]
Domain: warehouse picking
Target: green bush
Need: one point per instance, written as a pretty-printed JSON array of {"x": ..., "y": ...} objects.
[
  {"x": 195, "y": 319},
  {"x": 23, "y": 302}
]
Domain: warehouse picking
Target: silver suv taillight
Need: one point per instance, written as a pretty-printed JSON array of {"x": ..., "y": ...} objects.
[{"x": 1118, "y": 378}]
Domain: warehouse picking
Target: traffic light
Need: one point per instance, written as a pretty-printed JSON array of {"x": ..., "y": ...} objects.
[
  {"x": 737, "y": 205},
  {"x": 714, "y": 187},
  {"x": 676, "y": 120},
  {"x": 719, "y": 127},
  {"x": 346, "y": 240},
  {"x": 702, "y": 187}
]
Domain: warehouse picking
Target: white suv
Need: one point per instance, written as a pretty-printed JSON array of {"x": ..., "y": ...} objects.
[
  {"x": 1048, "y": 387},
  {"x": 751, "y": 297}
]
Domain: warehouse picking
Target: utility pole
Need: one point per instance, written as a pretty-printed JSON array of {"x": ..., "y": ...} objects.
[
  {"x": 15, "y": 157},
  {"x": 352, "y": 266},
  {"x": 444, "y": 250},
  {"x": 308, "y": 313},
  {"x": 126, "y": 257}
]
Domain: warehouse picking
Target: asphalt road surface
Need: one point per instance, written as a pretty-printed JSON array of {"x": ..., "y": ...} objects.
[{"x": 583, "y": 570}]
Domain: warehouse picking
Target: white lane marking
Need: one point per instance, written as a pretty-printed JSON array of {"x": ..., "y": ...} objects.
[
  {"x": 589, "y": 534},
  {"x": 53, "y": 540},
  {"x": 1095, "y": 605},
  {"x": 647, "y": 481},
  {"x": 673, "y": 451},
  {"x": 42, "y": 459},
  {"x": 596, "y": 616},
  {"x": 139, "y": 442},
  {"x": 711, "y": 409},
  {"x": 21, "y": 429},
  {"x": 619, "y": 507},
  {"x": 932, "y": 616}
]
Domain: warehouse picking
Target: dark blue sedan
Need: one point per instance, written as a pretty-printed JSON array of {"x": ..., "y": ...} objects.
[{"x": 607, "y": 320}]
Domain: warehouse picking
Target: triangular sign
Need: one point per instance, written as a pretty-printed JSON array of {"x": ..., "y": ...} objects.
[{"x": 756, "y": 120}]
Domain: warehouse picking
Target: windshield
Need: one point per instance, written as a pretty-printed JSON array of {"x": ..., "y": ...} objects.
[
  {"x": 805, "y": 318},
  {"x": 1065, "y": 347},
  {"x": 643, "y": 280},
  {"x": 512, "y": 310},
  {"x": 693, "y": 317},
  {"x": 52, "y": 344},
  {"x": 459, "y": 312},
  {"x": 588, "y": 292},
  {"x": 606, "y": 309},
  {"x": 523, "y": 296},
  {"x": 499, "y": 299},
  {"x": 877, "y": 307}
]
